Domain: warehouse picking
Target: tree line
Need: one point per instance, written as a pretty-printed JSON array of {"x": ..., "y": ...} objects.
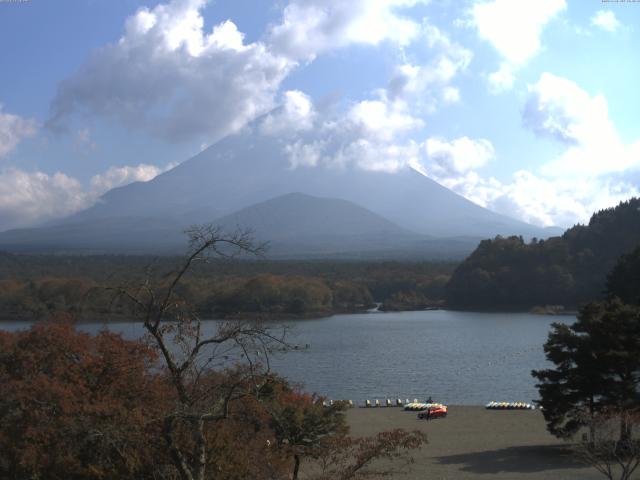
[
  {"x": 34, "y": 287},
  {"x": 511, "y": 274}
]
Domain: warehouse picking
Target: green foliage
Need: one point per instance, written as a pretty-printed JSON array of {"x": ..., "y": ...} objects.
[
  {"x": 508, "y": 273},
  {"x": 597, "y": 366},
  {"x": 624, "y": 280}
]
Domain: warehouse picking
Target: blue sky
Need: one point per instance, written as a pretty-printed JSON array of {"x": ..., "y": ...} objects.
[{"x": 527, "y": 107}]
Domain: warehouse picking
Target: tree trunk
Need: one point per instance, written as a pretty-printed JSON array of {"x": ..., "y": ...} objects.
[
  {"x": 625, "y": 430},
  {"x": 176, "y": 455},
  {"x": 296, "y": 466},
  {"x": 201, "y": 449},
  {"x": 592, "y": 425}
]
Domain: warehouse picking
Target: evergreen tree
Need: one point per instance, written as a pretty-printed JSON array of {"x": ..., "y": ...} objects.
[
  {"x": 597, "y": 366},
  {"x": 624, "y": 280}
]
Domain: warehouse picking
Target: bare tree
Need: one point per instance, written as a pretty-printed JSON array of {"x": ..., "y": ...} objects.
[
  {"x": 192, "y": 351},
  {"x": 613, "y": 444}
]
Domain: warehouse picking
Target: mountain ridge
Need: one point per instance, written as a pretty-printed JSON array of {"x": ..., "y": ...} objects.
[{"x": 247, "y": 169}]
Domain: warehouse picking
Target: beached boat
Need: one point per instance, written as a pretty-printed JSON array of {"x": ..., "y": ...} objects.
[{"x": 509, "y": 406}]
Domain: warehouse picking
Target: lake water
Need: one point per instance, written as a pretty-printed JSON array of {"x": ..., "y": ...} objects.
[{"x": 460, "y": 358}]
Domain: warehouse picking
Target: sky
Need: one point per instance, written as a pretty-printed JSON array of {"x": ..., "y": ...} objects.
[{"x": 526, "y": 107}]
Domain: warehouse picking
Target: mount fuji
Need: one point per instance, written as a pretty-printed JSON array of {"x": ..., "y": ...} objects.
[{"x": 246, "y": 180}]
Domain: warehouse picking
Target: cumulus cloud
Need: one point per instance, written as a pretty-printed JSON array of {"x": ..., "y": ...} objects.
[
  {"x": 537, "y": 198},
  {"x": 311, "y": 27},
  {"x": 606, "y": 20},
  {"x": 119, "y": 176},
  {"x": 593, "y": 171},
  {"x": 296, "y": 114},
  {"x": 514, "y": 28},
  {"x": 559, "y": 109},
  {"x": 28, "y": 198},
  {"x": 503, "y": 78},
  {"x": 14, "y": 129},
  {"x": 168, "y": 75},
  {"x": 454, "y": 163},
  {"x": 371, "y": 134},
  {"x": 425, "y": 84},
  {"x": 458, "y": 156},
  {"x": 553, "y": 201},
  {"x": 171, "y": 77}
]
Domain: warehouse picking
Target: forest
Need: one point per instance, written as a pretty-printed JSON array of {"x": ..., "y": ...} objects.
[
  {"x": 558, "y": 273},
  {"x": 504, "y": 273},
  {"x": 36, "y": 286}
]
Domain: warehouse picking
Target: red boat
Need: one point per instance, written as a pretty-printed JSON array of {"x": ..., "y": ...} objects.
[{"x": 433, "y": 412}]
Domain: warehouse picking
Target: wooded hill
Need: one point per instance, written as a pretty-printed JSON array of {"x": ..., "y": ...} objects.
[
  {"x": 510, "y": 274},
  {"x": 37, "y": 286}
]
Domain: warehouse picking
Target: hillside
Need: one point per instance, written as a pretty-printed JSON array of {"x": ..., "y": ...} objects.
[
  {"x": 249, "y": 169},
  {"x": 293, "y": 225},
  {"x": 509, "y": 273},
  {"x": 246, "y": 169}
]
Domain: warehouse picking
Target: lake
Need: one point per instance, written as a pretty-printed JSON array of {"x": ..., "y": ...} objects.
[{"x": 460, "y": 358}]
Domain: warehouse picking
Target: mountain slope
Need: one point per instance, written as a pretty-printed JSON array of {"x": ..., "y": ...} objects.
[
  {"x": 296, "y": 215},
  {"x": 245, "y": 169},
  {"x": 295, "y": 225},
  {"x": 247, "y": 180}
]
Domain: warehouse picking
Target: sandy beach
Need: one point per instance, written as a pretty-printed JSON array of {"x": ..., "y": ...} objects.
[{"x": 474, "y": 443}]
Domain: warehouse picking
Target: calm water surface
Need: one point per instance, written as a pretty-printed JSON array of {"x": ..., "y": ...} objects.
[{"x": 455, "y": 357}]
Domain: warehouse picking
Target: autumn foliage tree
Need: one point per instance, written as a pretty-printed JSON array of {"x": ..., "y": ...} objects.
[
  {"x": 78, "y": 406},
  {"x": 301, "y": 421},
  {"x": 190, "y": 401}
]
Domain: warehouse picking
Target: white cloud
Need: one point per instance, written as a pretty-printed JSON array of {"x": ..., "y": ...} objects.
[
  {"x": 14, "y": 129},
  {"x": 28, "y": 198},
  {"x": 606, "y": 20},
  {"x": 171, "y": 77},
  {"x": 381, "y": 119},
  {"x": 119, "y": 176},
  {"x": 503, "y": 78},
  {"x": 450, "y": 95},
  {"x": 457, "y": 157},
  {"x": 303, "y": 154},
  {"x": 593, "y": 171},
  {"x": 167, "y": 75},
  {"x": 514, "y": 28},
  {"x": 295, "y": 114},
  {"x": 371, "y": 134},
  {"x": 425, "y": 84},
  {"x": 552, "y": 201},
  {"x": 311, "y": 27},
  {"x": 559, "y": 109},
  {"x": 538, "y": 199}
]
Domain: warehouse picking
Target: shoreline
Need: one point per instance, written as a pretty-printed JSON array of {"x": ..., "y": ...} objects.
[{"x": 293, "y": 317}]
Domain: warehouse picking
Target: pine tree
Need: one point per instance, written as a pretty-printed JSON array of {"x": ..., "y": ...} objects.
[{"x": 597, "y": 366}]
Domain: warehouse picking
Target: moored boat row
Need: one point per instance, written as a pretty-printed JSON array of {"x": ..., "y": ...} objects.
[
  {"x": 418, "y": 406},
  {"x": 509, "y": 406}
]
